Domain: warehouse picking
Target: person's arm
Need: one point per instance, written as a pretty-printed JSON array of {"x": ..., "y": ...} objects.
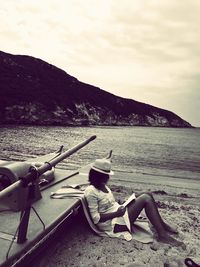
[
  {"x": 92, "y": 201},
  {"x": 109, "y": 216}
]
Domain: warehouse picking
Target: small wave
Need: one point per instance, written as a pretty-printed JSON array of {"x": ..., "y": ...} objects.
[{"x": 171, "y": 176}]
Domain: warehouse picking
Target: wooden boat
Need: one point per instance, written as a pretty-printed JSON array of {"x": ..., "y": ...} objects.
[{"x": 28, "y": 216}]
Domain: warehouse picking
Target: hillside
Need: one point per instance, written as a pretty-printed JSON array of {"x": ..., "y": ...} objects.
[{"x": 37, "y": 93}]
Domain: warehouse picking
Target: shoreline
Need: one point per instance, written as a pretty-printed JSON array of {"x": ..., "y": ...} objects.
[
  {"x": 156, "y": 179},
  {"x": 185, "y": 189},
  {"x": 178, "y": 204},
  {"x": 31, "y": 124}
]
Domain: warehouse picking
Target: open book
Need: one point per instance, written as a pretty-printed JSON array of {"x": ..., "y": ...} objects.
[{"x": 131, "y": 198}]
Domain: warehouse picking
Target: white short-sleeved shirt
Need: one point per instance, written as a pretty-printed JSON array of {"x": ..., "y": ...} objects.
[{"x": 100, "y": 202}]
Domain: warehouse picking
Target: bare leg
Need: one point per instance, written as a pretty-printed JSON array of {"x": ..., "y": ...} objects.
[
  {"x": 147, "y": 202},
  {"x": 167, "y": 227}
]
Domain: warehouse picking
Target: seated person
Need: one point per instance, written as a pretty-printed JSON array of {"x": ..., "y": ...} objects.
[{"x": 108, "y": 215}]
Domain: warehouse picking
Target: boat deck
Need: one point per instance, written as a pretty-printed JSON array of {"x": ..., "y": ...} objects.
[{"x": 53, "y": 212}]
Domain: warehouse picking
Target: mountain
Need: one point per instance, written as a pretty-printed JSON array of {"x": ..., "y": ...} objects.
[{"x": 37, "y": 93}]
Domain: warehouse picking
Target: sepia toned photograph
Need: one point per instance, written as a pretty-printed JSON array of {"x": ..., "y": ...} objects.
[{"x": 99, "y": 133}]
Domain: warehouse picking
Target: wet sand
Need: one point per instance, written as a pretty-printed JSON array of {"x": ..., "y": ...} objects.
[{"x": 179, "y": 204}]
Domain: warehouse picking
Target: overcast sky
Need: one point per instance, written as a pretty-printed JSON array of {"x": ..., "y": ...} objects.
[{"x": 147, "y": 50}]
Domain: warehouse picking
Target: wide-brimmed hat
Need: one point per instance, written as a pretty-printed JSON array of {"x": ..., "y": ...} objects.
[{"x": 103, "y": 166}]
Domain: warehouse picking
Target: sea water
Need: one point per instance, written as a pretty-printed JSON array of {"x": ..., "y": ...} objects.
[{"x": 173, "y": 152}]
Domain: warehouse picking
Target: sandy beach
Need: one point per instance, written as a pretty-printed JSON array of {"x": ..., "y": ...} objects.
[{"x": 179, "y": 203}]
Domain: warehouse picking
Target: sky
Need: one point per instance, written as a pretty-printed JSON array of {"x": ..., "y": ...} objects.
[{"x": 146, "y": 50}]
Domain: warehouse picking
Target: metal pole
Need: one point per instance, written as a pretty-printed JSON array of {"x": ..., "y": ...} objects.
[
  {"x": 48, "y": 165},
  {"x": 10, "y": 188},
  {"x": 45, "y": 167}
]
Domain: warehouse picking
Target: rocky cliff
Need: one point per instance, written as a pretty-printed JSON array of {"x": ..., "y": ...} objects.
[{"x": 37, "y": 93}]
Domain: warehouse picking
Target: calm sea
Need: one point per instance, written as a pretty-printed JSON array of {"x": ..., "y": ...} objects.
[{"x": 159, "y": 151}]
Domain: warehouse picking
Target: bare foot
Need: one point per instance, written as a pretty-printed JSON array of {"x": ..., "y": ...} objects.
[{"x": 172, "y": 241}]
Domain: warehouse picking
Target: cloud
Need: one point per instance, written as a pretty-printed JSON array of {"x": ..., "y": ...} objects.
[{"x": 145, "y": 50}]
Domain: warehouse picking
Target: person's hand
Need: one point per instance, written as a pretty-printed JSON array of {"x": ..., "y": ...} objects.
[{"x": 121, "y": 211}]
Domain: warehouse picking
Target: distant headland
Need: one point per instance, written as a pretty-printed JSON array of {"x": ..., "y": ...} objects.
[{"x": 34, "y": 92}]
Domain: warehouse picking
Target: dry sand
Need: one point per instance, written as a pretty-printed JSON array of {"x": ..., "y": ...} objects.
[{"x": 179, "y": 203}]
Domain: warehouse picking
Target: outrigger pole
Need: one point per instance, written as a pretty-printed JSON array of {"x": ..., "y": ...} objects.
[
  {"x": 30, "y": 177},
  {"x": 30, "y": 181}
]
